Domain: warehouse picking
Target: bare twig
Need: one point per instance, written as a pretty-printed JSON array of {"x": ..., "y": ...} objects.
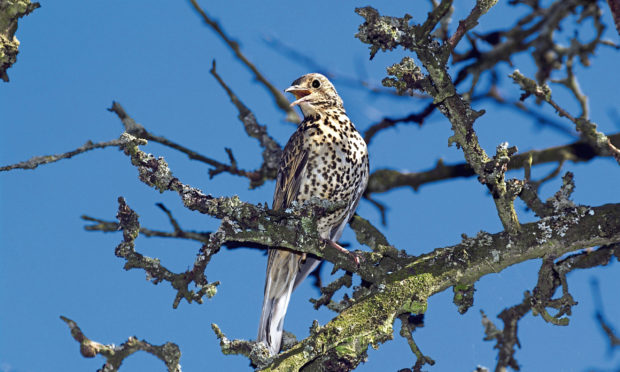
[
  {"x": 408, "y": 324},
  {"x": 46, "y": 159},
  {"x": 614, "y": 339},
  {"x": 279, "y": 98},
  {"x": 540, "y": 118},
  {"x": 168, "y": 353},
  {"x": 257, "y": 352},
  {"x": 471, "y": 21},
  {"x": 156, "y": 273},
  {"x": 112, "y": 226},
  {"x": 550, "y": 277},
  {"x": 137, "y": 130},
  {"x": 173, "y": 221},
  {"x": 272, "y": 151},
  {"x": 387, "y": 122},
  {"x": 328, "y": 292},
  {"x": 587, "y": 128},
  {"x": 570, "y": 82},
  {"x": 340, "y": 78},
  {"x": 383, "y": 180}
]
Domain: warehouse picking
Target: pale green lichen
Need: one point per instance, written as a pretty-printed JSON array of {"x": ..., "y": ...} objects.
[
  {"x": 10, "y": 12},
  {"x": 486, "y": 5}
]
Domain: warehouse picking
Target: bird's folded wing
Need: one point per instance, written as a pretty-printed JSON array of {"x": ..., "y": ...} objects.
[{"x": 289, "y": 178}]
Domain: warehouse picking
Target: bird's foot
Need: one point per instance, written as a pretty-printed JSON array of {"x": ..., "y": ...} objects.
[{"x": 355, "y": 257}]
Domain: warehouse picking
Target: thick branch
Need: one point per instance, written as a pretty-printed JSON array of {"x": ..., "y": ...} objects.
[{"x": 346, "y": 337}]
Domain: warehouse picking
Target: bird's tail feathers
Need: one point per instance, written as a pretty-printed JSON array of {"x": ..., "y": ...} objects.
[
  {"x": 279, "y": 284},
  {"x": 272, "y": 321}
]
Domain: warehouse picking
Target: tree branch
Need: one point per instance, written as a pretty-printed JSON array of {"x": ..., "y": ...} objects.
[
  {"x": 550, "y": 277},
  {"x": 10, "y": 13},
  {"x": 278, "y": 97},
  {"x": 272, "y": 151},
  {"x": 156, "y": 273},
  {"x": 387, "y": 122},
  {"x": 375, "y": 30},
  {"x": 481, "y": 7},
  {"x": 132, "y": 127},
  {"x": 168, "y": 353},
  {"x": 111, "y": 226},
  {"x": 34, "y": 162},
  {"x": 587, "y": 128},
  {"x": 383, "y": 180},
  {"x": 345, "y": 338}
]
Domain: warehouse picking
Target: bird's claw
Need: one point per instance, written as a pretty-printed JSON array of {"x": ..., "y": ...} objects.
[{"x": 355, "y": 256}]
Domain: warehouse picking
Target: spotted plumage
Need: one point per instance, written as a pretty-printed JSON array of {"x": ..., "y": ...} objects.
[{"x": 326, "y": 158}]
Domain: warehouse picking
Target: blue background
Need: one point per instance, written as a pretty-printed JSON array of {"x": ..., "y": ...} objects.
[{"x": 77, "y": 57}]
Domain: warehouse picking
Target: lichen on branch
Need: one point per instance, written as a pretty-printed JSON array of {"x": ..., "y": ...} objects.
[
  {"x": 168, "y": 353},
  {"x": 10, "y": 13}
]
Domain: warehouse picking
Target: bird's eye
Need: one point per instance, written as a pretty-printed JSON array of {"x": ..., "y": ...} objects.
[{"x": 316, "y": 84}]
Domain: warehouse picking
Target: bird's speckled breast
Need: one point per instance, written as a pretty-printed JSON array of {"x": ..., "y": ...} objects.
[{"x": 337, "y": 167}]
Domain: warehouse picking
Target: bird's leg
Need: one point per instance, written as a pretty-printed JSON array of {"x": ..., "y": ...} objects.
[{"x": 356, "y": 259}]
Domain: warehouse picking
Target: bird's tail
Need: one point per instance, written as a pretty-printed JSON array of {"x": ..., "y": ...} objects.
[{"x": 282, "y": 268}]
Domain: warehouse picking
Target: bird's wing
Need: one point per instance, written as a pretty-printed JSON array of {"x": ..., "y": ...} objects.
[
  {"x": 291, "y": 172},
  {"x": 282, "y": 265}
]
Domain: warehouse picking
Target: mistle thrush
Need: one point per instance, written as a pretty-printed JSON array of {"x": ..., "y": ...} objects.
[{"x": 326, "y": 158}]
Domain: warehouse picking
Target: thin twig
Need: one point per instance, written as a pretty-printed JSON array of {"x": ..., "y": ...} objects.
[
  {"x": 342, "y": 79},
  {"x": 471, "y": 21},
  {"x": 408, "y": 324},
  {"x": 382, "y": 180},
  {"x": 540, "y": 118},
  {"x": 272, "y": 151},
  {"x": 168, "y": 353},
  {"x": 137, "y": 130},
  {"x": 113, "y": 226},
  {"x": 34, "y": 162},
  {"x": 418, "y": 118},
  {"x": 278, "y": 97},
  {"x": 588, "y": 131}
]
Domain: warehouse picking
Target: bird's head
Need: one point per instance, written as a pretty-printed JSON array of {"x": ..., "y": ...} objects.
[{"x": 314, "y": 94}]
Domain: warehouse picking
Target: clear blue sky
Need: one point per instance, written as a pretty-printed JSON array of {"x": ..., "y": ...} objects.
[{"x": 76, "y": 57}]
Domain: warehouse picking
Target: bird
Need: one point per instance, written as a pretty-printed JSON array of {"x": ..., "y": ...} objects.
[{"x": 326, "y": 157}]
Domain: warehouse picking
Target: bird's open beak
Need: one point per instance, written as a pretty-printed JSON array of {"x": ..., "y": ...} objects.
[{"x": 299, "y": 92}]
